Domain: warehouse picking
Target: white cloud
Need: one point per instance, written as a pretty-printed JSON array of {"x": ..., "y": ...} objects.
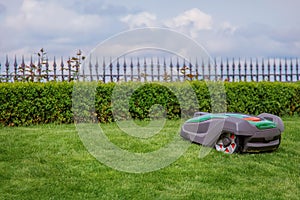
[
  {"x": 46, "y": 17},
  {"x": 227, "y": 28},
  {"x": 191, "y": 22},
  {"x": 49, "y": 24},
  {"x": 142, "y": 19}
]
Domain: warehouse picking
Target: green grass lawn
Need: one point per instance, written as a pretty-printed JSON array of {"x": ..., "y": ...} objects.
[{"x": 50, "y": 162}]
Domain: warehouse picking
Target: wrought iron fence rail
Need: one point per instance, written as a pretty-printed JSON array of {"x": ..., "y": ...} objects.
[{"x": 284, "y": 70}]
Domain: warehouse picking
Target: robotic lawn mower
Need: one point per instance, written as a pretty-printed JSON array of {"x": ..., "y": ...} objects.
[{"x": 232, "y": 132}]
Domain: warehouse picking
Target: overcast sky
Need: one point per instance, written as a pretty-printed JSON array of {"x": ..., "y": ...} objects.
[{"x": 231, "y": 28}]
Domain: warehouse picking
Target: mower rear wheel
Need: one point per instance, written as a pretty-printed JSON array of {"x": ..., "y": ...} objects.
[{"x": 228, "y": 143}]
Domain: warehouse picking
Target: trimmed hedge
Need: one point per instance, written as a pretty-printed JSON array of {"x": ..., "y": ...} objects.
[{"x": 35, "y": 103}]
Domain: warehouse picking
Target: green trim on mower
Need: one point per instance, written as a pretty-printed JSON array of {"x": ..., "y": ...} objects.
[{"x": 260, "y": 123}]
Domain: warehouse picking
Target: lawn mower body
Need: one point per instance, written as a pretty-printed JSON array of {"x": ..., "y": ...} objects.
[{"x": 232, "y": 132}]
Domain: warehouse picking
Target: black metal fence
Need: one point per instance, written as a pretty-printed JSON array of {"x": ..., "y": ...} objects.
[{"x": 150, "y": 69}]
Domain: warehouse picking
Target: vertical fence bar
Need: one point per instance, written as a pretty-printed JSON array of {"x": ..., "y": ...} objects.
[
  {"x": 222, "y": 69},
  {"x": 275, "y": 70},
  {"x": 7, "y": 69},
  {"x": 90, "y": 69},
  {"x": 285, "y": 69},
  {"x": 215, "y": 70},
  {"x": 145, "y": 70},
  {"x": 47, "y": 70},
  {"x": 171, "y": 70},
  {"x": 125, "y": 69},
  {"x": 77, "y": 65},
  {"x": 288, "y": 72},
  {"x": 103, "y": 73},
  {"x": 245, "y": 70},
  {"x": 280, "y": 71},
  {"x": 227, "y": 69},
  {"x": 152, "y": 69},
  {"x": 202, "y": 69},
  {"x": 15, "y": 69},
  {"x": 263, "y": 69},
  {"x": 111, "y": 71},
  {"x": 269, "y": 70},
  {"x": 191, "y": 75},
  {"x": 97, "y": 69},
  {"x": 70, "y": 71},
  {"x": 251, "y": 70},
  {"x": 131, "y": 70},
  {"x": 233, "y": 70},
  {"x": 297, "y": 69},
  {"x": 164, "y": 69},
  {"x": 184, "y": 68},
  {"x": 62, "y": 69},
  {"x": 291, "y": 70},
  {"x": 54, "y": 69},
  {"x": 24, "y": 67},
  {"x": 118, "y": 70},
  {"x": 257, "y": 70},
  {"x": 178, "y": 69},
  {"x": 158, "y": 70},
  {"x": 166, "y": 75},
  {"x": 208, "y": 70},
  {"x": 197, "y": 69},
  {"x": 239, "y": 69},
  {"x": 138, "y": 70}
]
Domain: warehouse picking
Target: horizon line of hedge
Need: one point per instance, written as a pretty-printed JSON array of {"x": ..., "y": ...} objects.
[{"x": 52, "y": 102}]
